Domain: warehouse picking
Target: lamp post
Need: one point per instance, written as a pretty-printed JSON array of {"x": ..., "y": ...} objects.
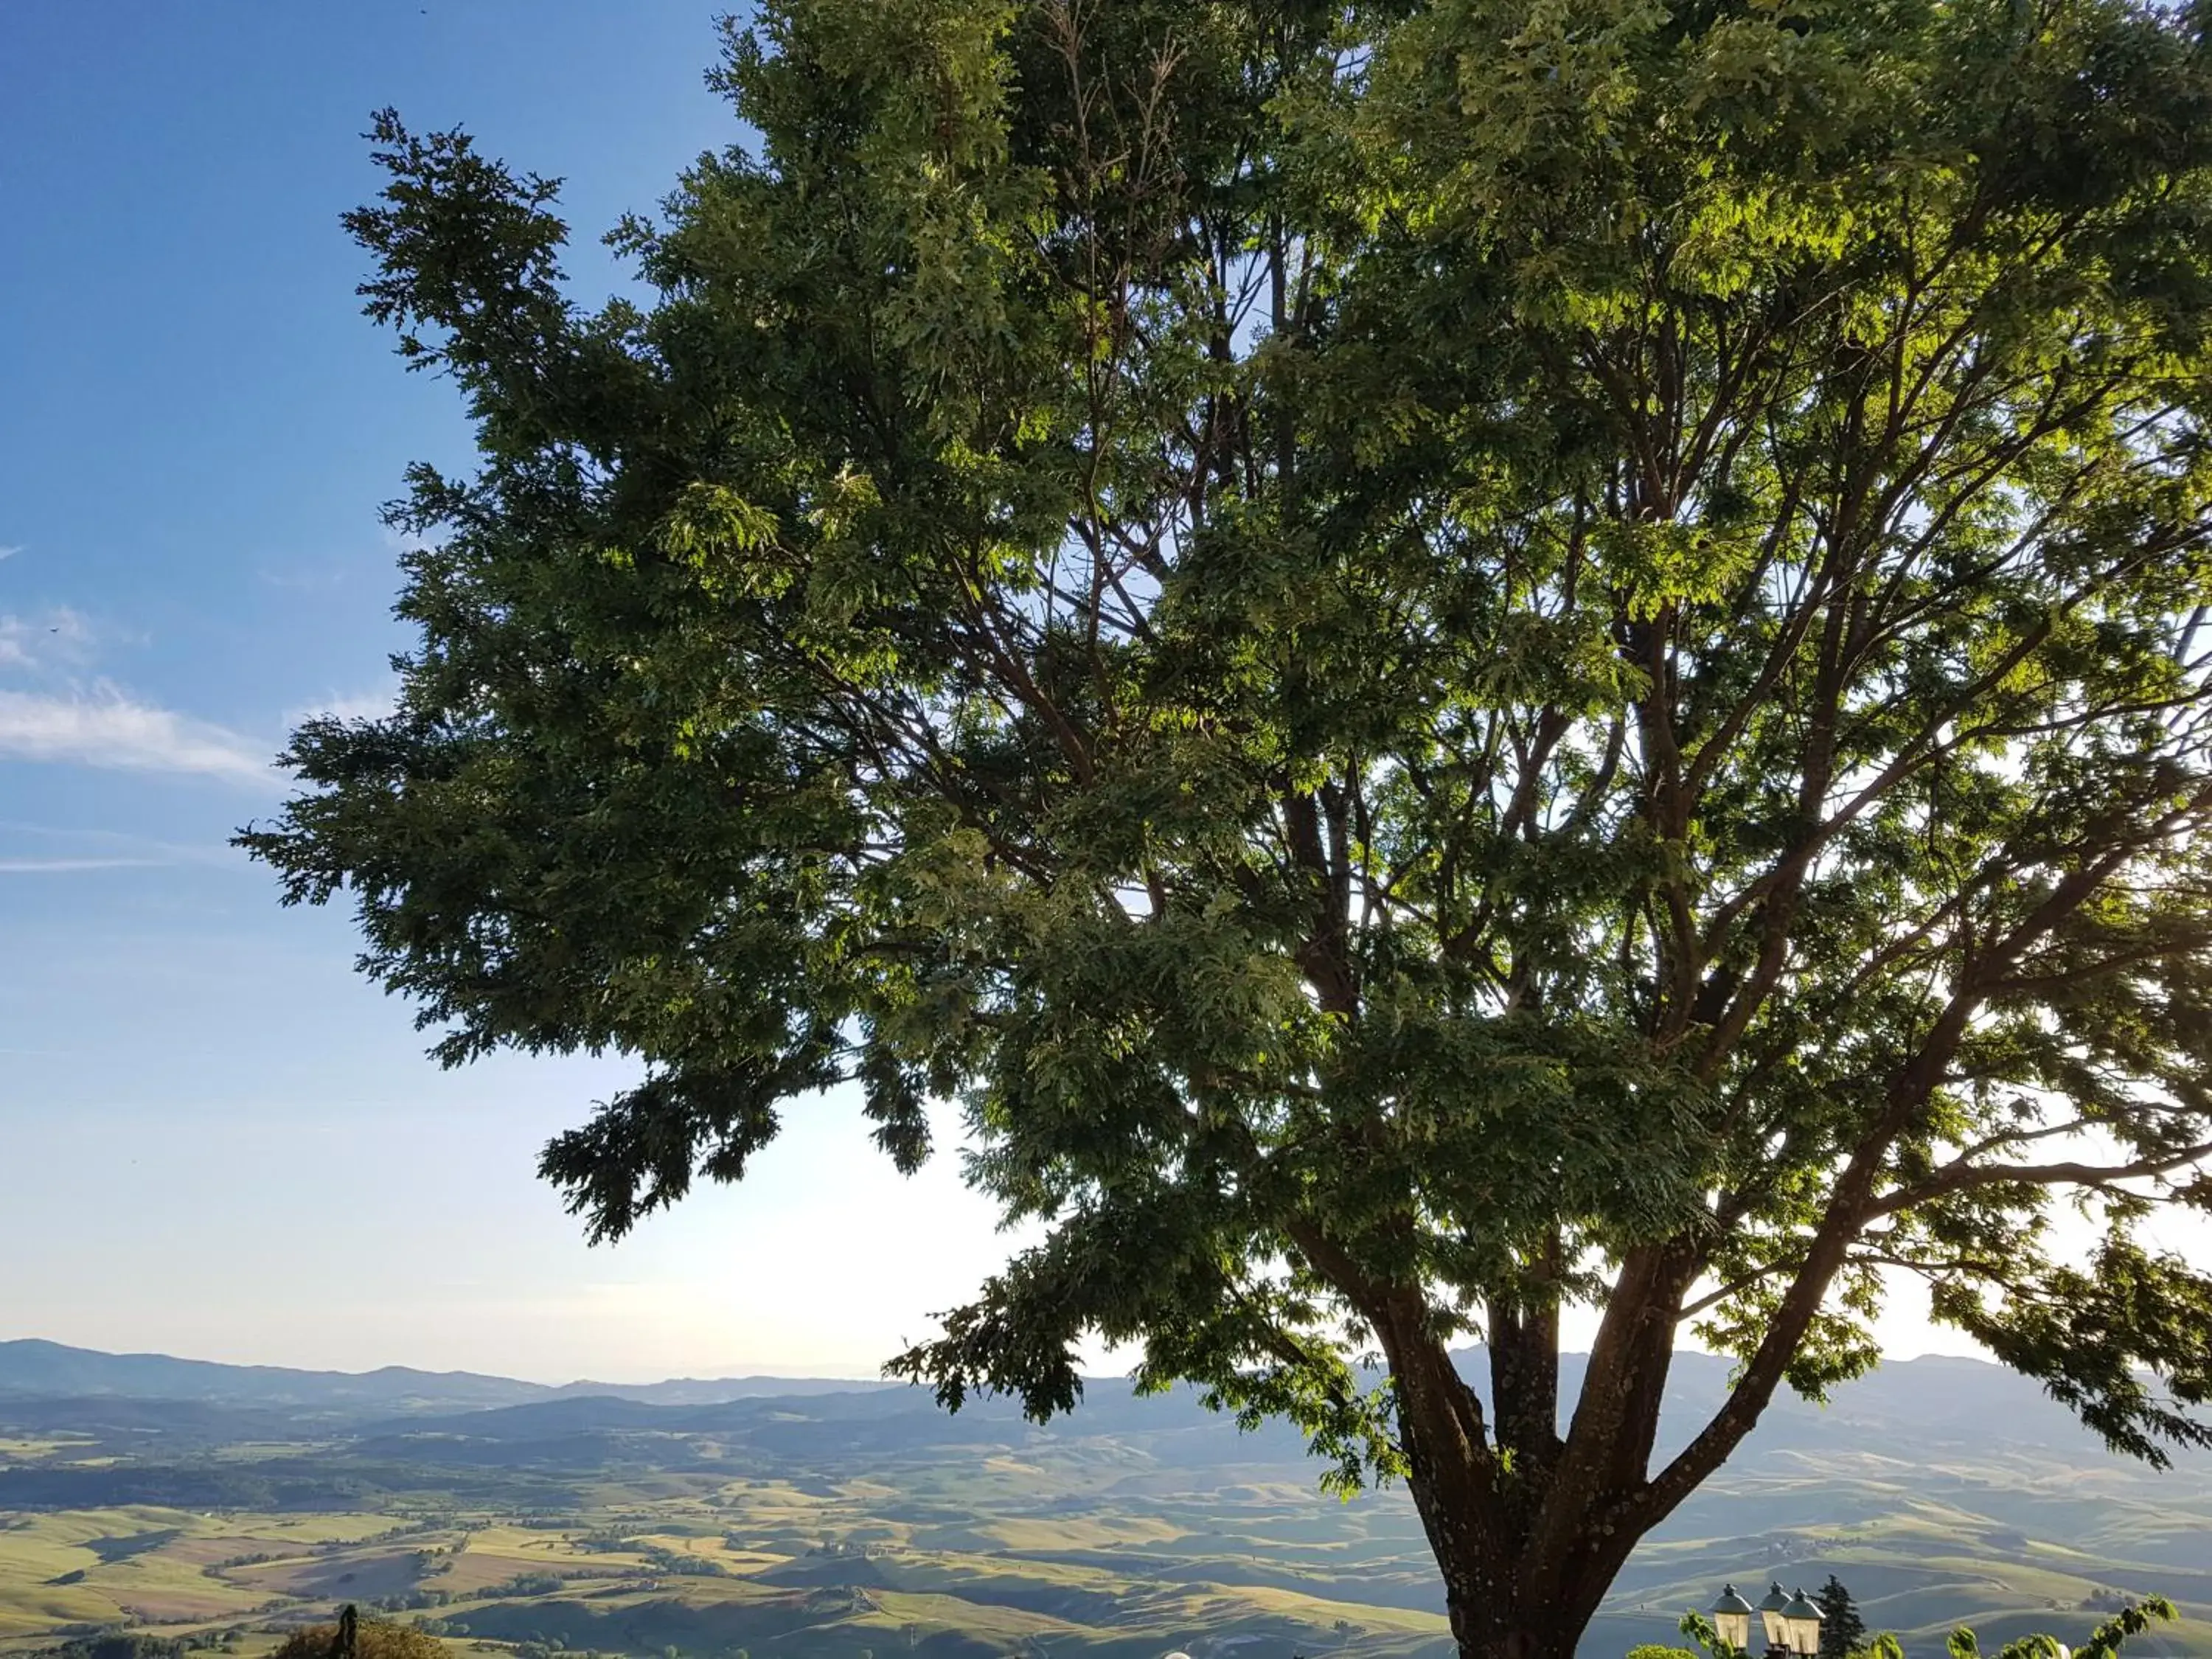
[
  {"x": 1776, "y": 1628},
  {"x": 1802, "y": 1618},
  {"x": 1732, "y": 1620},
  {"x": 1791, "y": 1625}
]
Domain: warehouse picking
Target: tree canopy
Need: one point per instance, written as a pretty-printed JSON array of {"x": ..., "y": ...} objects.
[{"x": 1442, "y": 659}]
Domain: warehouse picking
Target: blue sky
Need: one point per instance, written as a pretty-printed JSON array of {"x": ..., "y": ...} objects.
[{"x": 215, "y": 1139}]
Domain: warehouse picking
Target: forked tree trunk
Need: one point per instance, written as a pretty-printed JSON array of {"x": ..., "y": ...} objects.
[
  {"x": 1510, "y": 1592},
  {"x": 1507, "y": 1603},
  {"x": 1530, "y": 1527}
]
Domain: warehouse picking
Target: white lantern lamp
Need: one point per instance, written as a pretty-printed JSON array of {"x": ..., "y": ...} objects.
[
  {"x": 1801, "y": 1619},
  {"x": 1776, "y": 1629},
  {"x": 1732, "y": 1620}
]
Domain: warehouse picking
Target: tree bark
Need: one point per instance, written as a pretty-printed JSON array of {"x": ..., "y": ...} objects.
[
  {"x": 1530, "y": 1535},
  {"x": 1506, "y": 1602},
  {"x": 1514, "y": 1589}
]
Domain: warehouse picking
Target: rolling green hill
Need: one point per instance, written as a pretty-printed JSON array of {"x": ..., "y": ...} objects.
[
  {"x": 867, "y": 1522},
  {"x": 30, "y": 1368}
]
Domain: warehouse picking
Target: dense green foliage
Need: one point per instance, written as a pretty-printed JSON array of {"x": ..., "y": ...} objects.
[
  {"x": 1445, "y": 659},
  {"x": 1843, "y": 1632}
]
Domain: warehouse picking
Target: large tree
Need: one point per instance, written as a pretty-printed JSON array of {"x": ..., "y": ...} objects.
[{"x": 1447, "y": 660}]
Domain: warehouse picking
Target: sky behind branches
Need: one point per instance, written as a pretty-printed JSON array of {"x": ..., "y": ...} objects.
[{"x": 215, "y": 1140}]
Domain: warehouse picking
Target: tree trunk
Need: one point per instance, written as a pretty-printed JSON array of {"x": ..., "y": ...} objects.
[
  {"x": 1507, "y": 1604},
  {"x": 1507, "y": 1599},
  {"x": 1514, "y": 1589},
  {"x": 1529, "y": 1531}
]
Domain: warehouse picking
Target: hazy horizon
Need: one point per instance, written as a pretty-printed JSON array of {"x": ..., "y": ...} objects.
[{"x": 1091, "y": 1375}]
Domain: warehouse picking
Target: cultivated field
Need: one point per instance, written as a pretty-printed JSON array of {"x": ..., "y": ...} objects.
[{"x": 864, "y": 1525}]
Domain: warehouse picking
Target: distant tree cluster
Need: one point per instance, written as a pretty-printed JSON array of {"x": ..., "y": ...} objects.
[
  {"x": 410, "y": 1600},
  {"x": 117, "y": 1641},
  {"x": 118, "y": 1644},
  {"x": 683, "y": 1564},
  {"x": 529, "y": 1584},
  {"x": 2105, "y": 1598}
]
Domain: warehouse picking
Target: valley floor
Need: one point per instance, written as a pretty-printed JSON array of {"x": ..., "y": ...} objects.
[{"x": 868, "y": 1525}]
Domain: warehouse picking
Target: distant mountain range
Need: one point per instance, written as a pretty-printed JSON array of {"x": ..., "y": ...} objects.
[
  {"x": 1942, "y": 1490},
  {"x": 35, "y": 1369},
  {"x": 1917, "y": 1403}
]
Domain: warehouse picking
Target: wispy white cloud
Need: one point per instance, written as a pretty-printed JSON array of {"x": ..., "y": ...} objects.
[
  {"x": 359, "y": 706},
  {"x": 110, "y": 729},
  {"x": 9, "y": 550},
  {"x": 64, "y": 866},
  {"x": 57, "y": 635},
  {"x": 56, "y": 718}
]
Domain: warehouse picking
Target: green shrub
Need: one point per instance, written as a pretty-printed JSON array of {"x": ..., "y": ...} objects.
[{"x": 377, "y": 1638}]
